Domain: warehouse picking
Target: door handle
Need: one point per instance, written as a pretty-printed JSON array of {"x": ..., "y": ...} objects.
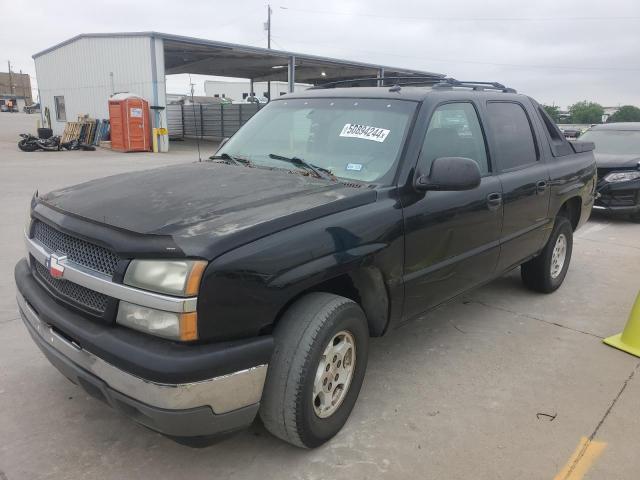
[
  {"x": 494, "y": 200},
  {"x": 541, "y": 186}
]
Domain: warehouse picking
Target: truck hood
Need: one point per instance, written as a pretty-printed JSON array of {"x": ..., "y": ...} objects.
[
  {"x": 608, "y": 160},
  {"x": 200, "y": 203}
]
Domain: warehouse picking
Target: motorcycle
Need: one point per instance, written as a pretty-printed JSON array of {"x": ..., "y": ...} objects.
[{"x": 30, "y": 143}]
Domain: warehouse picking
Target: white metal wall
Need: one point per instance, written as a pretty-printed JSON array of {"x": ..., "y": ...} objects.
[
  {"x": 87, "y": 71},
  {"x": 234, "y": 89}
]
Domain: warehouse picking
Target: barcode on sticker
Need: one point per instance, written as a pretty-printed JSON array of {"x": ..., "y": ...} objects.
[{"x": 366, "y": 132}]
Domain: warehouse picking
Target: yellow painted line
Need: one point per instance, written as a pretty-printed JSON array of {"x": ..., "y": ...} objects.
[{"x": 582, "y": 459}]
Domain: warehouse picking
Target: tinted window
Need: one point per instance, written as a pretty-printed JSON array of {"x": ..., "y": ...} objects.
[
  {"x": 512, "y": 132},
  {"x": 454, "y": 131}
]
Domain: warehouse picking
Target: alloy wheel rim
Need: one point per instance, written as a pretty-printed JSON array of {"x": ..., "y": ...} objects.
[
  {"x": 558, "y": 255},
  {"x": 334, "y": 374}
]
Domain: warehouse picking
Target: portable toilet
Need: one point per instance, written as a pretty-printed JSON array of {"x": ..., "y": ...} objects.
[{"x": 130, "y": 124}]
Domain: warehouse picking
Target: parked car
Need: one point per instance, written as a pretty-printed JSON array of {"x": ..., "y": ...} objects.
[
  {"x": 194, "y": 297},
  {"x": 617, "y": 151},
  {"x": 571, "y": 133}
]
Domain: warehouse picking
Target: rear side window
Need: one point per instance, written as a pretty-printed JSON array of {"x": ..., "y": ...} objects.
[
  {"x": 511, "y": 129},
  {"x": 454, "y": 131}
]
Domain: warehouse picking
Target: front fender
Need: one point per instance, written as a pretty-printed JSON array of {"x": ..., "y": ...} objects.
[{"x": 244, "y": 290}]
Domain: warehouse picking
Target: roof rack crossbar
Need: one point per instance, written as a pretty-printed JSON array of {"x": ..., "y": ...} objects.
[{"x": 452, "y": 82}]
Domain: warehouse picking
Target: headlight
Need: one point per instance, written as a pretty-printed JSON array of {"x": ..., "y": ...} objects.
[
  {"x": 175, "y": 326},
  {"x": 172, "y": 277},
  {"x": 622, "y": 176}
]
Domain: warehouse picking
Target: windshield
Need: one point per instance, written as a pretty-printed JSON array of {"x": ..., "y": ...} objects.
[
  {"x": 357, "y": 139},
  {"x": 616, "y": 142}
]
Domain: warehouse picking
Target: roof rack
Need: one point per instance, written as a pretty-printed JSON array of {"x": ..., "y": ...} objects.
[
  {"x": 418, "y": 80},
  {"x": 380, "y": 81},
  {"x": 447, "y": 83}
]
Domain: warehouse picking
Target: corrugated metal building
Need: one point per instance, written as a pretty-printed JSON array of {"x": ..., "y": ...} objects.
[
  {"x": 76, "y": 77},
  {"x": 240, "y": 90}
]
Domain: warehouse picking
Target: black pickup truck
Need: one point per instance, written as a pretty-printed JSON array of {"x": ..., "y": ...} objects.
[{"x": 194, "y": 297}]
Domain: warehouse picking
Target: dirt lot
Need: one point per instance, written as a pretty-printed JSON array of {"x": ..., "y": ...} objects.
[{"x": 501, "y": 384}]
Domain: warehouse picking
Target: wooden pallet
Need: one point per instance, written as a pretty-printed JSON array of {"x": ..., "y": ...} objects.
[
  {"x": 83, "y": 129},
  {"x": 71, "y": 131}
]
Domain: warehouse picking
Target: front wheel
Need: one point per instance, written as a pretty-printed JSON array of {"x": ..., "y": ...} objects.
[
  {"x": 317, "y": 369},
  {"x": 27, "y": 146},
  {"x": 546, "y": 272}
]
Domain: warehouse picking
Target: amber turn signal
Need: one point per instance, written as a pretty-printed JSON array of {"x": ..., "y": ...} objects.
[
  {"x": 189, "y": 326},
  {"x": 193, "y": 280}
]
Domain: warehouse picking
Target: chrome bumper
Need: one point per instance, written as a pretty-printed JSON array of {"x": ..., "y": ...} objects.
[{"x": 223, "y": 394}]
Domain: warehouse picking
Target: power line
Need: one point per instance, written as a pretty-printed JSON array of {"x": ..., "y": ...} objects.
[
  {"x": 462, "y": 19},
  {"x": 475, "y": 62}
]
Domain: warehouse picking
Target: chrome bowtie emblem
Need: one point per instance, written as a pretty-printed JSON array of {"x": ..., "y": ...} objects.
[{"x": 55, "y": 265}]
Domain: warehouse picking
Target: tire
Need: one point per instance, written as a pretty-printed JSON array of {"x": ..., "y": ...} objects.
[
  {"x": 540, "y": 274},
  {"x": 26, "y": 146},
  {"x": 289, "y": 408},
  {"x": 635, "y": 217},
  {"x": 45, "y": 133}
]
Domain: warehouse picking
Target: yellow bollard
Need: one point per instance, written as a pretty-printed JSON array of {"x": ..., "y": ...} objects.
[
  {"x": 629, "y": 340},
  {"x": 155, "y": 140}
]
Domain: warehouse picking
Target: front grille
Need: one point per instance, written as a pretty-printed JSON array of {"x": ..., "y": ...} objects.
[
  {"x": 78, "y": 251},
  {"x": 73, "y": 292}
]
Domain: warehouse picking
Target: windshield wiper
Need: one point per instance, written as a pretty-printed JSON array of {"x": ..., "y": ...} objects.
[
  {"x": 232, "y": 158},
  {"x": 318, "y": 172}
]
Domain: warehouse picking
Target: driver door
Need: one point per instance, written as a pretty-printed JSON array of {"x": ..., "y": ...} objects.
[{"x": 451, "y": 238}]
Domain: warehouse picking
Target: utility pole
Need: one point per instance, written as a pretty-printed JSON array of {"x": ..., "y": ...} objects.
[
  {"x": 10, "y": 77},
  {"x": 269, "y": 26}
]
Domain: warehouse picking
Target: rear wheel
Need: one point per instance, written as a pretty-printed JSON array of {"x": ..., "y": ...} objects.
[
  {"x": 317, "y": 369},
  {"x": 26, "y": 146},
  {"x": 546, "y": 272}
]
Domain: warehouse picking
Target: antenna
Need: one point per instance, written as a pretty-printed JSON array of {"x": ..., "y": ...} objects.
[{"x": 267, "y": 27}]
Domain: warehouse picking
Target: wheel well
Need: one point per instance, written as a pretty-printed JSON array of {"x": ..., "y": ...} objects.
[
  {"x": 571, "y": 210},
  {"x": 361, "y": 287}
]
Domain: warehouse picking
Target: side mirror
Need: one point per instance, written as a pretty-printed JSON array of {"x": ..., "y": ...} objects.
[{"x": 449, "y": 174}]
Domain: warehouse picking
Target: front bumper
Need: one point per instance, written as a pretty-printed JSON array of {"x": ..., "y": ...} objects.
[
  {"x": 190, "y": 408},
  {"x": 622, "y": 197}
]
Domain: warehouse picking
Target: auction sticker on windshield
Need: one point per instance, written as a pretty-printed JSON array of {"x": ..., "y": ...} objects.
[{"x": 365, "y": 132}]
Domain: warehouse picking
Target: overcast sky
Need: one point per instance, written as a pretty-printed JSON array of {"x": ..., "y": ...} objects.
[{"x": 557, "y": 52}]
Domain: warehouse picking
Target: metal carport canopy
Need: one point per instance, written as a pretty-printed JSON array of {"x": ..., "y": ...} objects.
[{"x": 208, "y": 57}]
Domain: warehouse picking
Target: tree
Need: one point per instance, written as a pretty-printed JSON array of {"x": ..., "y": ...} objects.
[
  {"x": 628, "y": 113},
  {"x": 586, "y": 112},
  {"x": 553, "y": 112}
]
